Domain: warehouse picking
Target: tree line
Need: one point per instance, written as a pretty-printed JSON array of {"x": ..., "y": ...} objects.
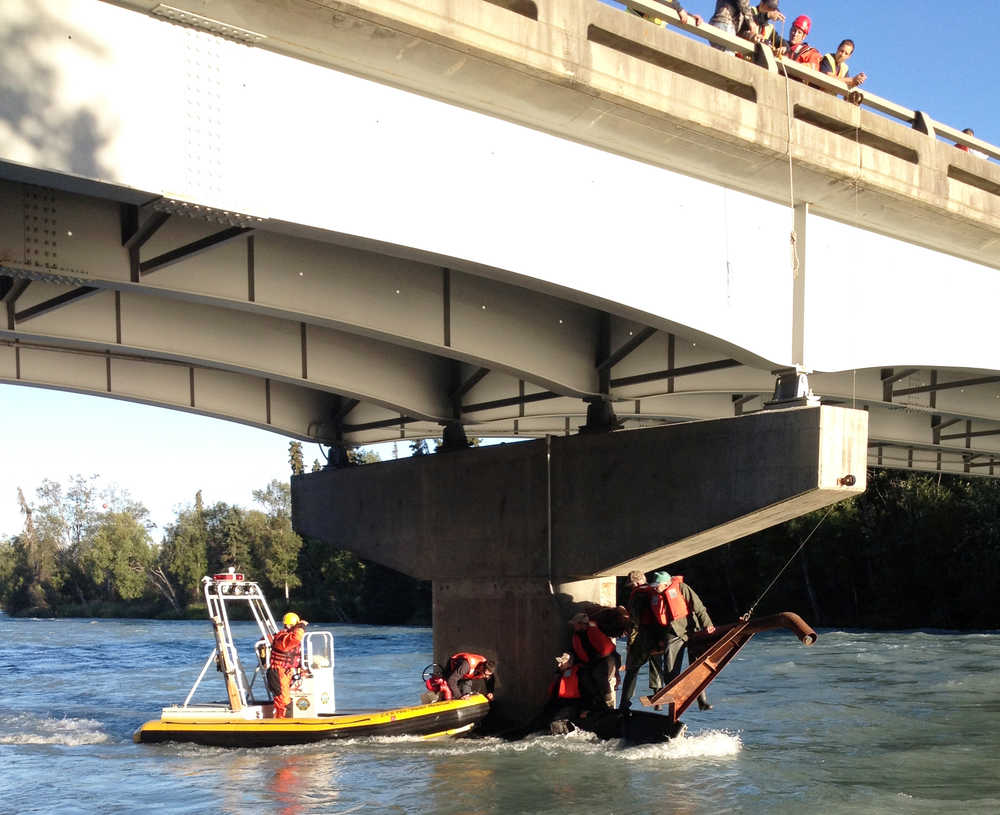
[
  {"x": 87, "y": 550},
  {"x": 915, "y": 550}
]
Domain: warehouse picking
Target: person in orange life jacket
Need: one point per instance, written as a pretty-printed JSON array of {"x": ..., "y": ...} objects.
[
  {"x": 464, "y": 668},
  {"x": 286, "y": 654},
  {"x": 565, "y": 697},
  {"x": 597, "y": 653},
  {"x": 836, "y": 65},
  {"x": 680, "y": 610},
  {"x": 796, "y": 48},
  {"x": 643, "y": 637}
]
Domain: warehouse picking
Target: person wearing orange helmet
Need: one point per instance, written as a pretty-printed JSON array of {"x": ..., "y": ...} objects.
[{"x": 796, "y": 48}]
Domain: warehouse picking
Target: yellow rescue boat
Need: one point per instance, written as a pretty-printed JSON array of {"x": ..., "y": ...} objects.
[{"x": 246, "y": 721}]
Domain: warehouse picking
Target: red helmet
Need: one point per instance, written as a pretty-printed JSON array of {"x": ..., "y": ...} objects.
[{"x": 802, "y": 22}]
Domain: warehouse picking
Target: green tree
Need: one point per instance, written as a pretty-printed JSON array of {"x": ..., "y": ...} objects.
[
  {"x": 110, "y": 555},
  {"x": 184, "y": 552},
  {"x": 295, "y": 457}
]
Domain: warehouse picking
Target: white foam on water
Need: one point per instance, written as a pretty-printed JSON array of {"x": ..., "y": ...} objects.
[
  {"x": 25, "y": 728},
  {"x": 710, "y": 744}
]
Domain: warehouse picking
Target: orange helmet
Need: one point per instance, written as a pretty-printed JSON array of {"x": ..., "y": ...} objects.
[{"x": 803, "y": 23}]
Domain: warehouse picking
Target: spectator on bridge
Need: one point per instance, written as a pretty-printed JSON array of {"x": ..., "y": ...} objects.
[
  {"x": 464, "y": 668},
  {"x": 796, "y": 48},
  {"x": 836, "y": 65},
  {"x": 686, "y": 18},
  {"x": 732, "y": 15},
  {"x": 970, "y": 132},
  {"x": 596, "y": 652},
  {"x": 764, "y": 16},
  {"x": 680, "y": 612}
]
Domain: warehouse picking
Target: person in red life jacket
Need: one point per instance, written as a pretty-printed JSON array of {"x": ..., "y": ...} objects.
[
  {"x": 680, "y": 612},
  {"x": 643, "y": 638},
  {"x": 796, "y": 48},
  {"x": 286, "y": 654},
  {"x": 565, "y": 697},
  {"x": 596, "y": 652},
  {"x": 464, "y": 668},
  {"x": 836, "y": 65}
]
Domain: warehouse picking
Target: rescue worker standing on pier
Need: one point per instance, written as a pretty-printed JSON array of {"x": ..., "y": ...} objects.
[
  {"x": 643, "y": 638},
  {"x": 596, "y": 652},
  {"x": 680, "y": 612},
  {"x": 286, "y": 653}
]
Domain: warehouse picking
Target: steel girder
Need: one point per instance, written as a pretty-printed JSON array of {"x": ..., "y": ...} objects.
[{"x": 247, "y": 320}]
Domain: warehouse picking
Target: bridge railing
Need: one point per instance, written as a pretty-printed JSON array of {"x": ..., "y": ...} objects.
[
  {"x": 558, "y": 13},
  {"x": 764, "y": 57}
]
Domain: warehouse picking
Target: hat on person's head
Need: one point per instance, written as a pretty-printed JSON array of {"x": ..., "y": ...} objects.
[
  {"x": 770, "y": 5},
  {"x": 661, "y": 577},
  {"x": 579, "y": 619}
]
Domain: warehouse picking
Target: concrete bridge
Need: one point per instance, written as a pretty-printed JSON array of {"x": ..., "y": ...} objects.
[{"x": 354, "y": 222}]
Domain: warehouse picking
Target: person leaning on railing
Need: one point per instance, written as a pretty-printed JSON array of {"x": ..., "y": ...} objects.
[
  {"x": 836, "y": 65},
  {"x": 732, "y": 15},
  {"x": 684, "y": 15},
  {"x": 764, "y": 15}
]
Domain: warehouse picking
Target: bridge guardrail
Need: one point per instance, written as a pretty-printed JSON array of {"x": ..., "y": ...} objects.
[
  {"x": 715, "y": 36},
  {"x": 975, "y": 170}
]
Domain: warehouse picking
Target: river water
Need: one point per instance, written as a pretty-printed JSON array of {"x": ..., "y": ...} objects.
[{"x": 862, "y": 722}]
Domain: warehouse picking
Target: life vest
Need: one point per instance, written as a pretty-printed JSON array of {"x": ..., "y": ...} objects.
[
  {"x": 669, "y": 604},
  {"x": 585, "y": 647},
  {"x": 829, "y": 61},
  {"x": 438, "y": 684},
  {"x": 806, "y": 54},
  {"x": 475, "y": 660},
  {"x": 285, "y": 649},
  {"x": 567, "y": 684},
  {"x": 645, "y": 612}
]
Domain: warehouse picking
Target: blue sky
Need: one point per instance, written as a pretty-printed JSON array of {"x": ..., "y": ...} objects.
[{"x": 931, "y": 56}]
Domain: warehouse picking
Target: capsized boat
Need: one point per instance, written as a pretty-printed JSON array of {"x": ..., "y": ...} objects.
[{"x": 247, "y": 719}]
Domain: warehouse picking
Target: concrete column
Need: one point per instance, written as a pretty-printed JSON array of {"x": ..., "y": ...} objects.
[{"x": 520, "y": 623}]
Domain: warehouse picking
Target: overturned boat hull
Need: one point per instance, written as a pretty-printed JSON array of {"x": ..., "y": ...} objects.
[{"x": 219, "y": 727}]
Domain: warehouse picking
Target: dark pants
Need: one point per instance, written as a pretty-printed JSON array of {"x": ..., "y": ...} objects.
[
  {"x": 673, "y": 662},
  {"x": 639, "y": 653}
]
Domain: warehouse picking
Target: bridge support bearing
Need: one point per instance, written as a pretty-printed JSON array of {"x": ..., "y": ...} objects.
[{"x": 489, "y": 525}]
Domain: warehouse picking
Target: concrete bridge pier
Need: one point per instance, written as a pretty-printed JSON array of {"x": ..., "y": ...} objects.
[
  {"x": 493, "y": 527},
  {"x": 523, "y": 623}
]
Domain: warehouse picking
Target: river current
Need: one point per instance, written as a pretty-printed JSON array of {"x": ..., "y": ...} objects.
[{"x": 862, "y": 722}]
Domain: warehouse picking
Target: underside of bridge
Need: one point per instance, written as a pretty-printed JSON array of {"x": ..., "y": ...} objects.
[{"x": 330, "y": 339}]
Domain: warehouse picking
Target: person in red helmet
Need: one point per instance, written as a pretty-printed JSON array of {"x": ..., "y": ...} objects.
[{"x": 796, "y": 48}]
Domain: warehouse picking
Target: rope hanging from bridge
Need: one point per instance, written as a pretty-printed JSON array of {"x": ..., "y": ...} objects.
[{"x": 749, "y": 613}]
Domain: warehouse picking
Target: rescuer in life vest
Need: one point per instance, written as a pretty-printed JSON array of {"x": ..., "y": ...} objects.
[
  {"x": 286, "y": 654},
  {"x": 598, "y": 656},
  {"x": 680, "y": 612},
  {"x": 464, "y": 668},
  {"x": 796, "y": 48},
  {"x": 565, "y": 699},
  {"x": 644, "y": 637}
]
